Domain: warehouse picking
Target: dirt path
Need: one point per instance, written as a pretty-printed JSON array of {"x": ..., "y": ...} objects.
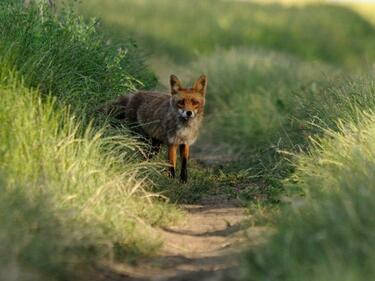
[{"x": 204, "y": 246}]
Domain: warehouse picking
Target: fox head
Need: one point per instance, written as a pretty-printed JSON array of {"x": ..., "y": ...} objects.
[{"x": 188, "y": 102}]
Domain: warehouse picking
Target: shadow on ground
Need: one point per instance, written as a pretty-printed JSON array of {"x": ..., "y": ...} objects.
[{"x": 204, "y": 246}]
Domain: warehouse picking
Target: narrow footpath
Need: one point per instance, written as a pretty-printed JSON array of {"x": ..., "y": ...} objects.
[{"x": 204, "y": 246}]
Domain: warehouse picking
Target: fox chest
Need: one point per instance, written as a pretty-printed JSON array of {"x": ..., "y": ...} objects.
[{"x": 183, "y": 135}]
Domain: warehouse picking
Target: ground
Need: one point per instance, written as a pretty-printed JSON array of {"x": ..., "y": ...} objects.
[{"x": 205, "y": 245}]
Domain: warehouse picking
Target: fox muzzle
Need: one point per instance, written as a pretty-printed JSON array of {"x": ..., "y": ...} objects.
[{"x": 186, "y": 114}]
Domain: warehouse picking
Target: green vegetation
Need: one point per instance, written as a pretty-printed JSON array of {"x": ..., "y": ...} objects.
[
  {"x": 71, "y": 194},
  {"x": 257, "y": 98},
  {"x": 186, "y": 29},
  {"x": 288, "y": 104},
  {"x": 249, "y": 110},
  {"x": 67, "y": 57},
  {"x": 210, "y": 181},
  {"x": 328, "y": 235},
  {"x": 254, "y": 101},
  {"x": 289, "y": 98}
]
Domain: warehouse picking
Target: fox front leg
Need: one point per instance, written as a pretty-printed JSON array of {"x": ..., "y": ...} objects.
[
  {"x": 172, "y": 158},
  {"x": 184, "y": 150}
]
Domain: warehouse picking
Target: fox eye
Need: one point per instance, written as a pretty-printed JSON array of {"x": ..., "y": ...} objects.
[
  {"x": 181, "y": 103},
  {"x": 195, "y": 102}
]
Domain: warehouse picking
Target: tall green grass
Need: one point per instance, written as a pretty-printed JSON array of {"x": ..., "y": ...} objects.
[
  {"x": 72, "y": 194},
  {"x": 267, "y": 99},
  {"x": 95, "y": 186},
  {"x": 328, "y": 233},
  {"x": 65, "y": 55},
  {"x": 34, "y": 243}
]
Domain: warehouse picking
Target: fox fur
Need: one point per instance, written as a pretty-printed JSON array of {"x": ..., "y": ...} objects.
[{"x": 171, "y": 118}]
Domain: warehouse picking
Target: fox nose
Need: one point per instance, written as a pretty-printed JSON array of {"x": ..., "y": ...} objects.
[{"x": 189, "y": 113}]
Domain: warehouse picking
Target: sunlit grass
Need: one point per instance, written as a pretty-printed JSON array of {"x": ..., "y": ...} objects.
[
  {"x": 73, "y": 191},
  {"x": 328, "y": 234},
  {"x": 95, "y": 184},
  {"x": 275, "y": 80}
]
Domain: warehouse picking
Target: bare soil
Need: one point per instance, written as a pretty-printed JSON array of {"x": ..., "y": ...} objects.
[{"x": 205, "y": 246}]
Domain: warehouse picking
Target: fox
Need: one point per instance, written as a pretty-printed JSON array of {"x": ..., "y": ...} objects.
[{"x": 171, "y": 119}]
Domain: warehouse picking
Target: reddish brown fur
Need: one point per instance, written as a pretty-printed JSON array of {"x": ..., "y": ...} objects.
[{"x": 170, "y": 118}]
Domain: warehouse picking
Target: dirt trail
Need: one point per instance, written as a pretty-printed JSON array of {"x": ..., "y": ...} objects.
[{"x": 204, "y": 246}]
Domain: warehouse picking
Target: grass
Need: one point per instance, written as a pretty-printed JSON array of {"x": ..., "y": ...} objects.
[
  {"x": 247, "y": 110},
  {"x": 323, "y": 231},
  {"x": 73, "y": 194},
  {"x": 211, "y": 181},
  {"x": 90, "y": 182},
  {"x": 311, "y": 32},
  {"x": 284, "y": 94},
  {"x": 250, "y": 118},
  {"x": 68, "y": 57},
  {"x": 31, "y": 222},
  {"x": 328, "y": 234},
  {"x": 259, "y": 61},
  {"x": 287, "y": 104}
]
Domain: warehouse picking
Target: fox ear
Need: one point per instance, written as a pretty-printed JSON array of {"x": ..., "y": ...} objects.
[
  {"x": 175, "y": 84},
  {"x": 201, "y": 84}
]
